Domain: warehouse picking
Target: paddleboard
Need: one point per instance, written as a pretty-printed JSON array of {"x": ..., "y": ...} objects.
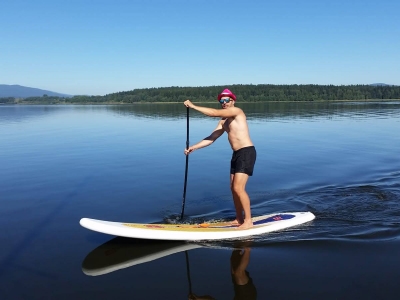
[{"x": 198, "y": 232}]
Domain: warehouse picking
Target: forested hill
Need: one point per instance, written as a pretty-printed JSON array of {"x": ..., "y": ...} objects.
[
  {"x": 259, "y": 93},
  {"x": 244, "y": 93}
]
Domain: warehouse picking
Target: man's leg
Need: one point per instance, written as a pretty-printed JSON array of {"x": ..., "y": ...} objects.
[
  {"x": 238, "y": 205},
  {"x": 241, "y": 199}
]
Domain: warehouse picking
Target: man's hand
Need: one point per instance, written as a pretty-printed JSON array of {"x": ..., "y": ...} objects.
[
  {"x": 188, "y": 151},
  {"x": 187, "y": 103}
]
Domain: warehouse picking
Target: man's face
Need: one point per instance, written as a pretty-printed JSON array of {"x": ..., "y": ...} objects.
[{"x": 226, "y": 102}]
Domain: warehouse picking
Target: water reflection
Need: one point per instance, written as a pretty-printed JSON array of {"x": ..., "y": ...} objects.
[
  {"x": 244, "y": 288},
  {"x": 120, "y": 253},
  {"x": 242, "y": 282},
  {"x": 10, "y": 114},
  {"x": 270, "y": 110},
  {"x": 258, "y": 111}
]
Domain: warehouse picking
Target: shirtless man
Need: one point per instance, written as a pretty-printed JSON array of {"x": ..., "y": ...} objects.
[{"x": 233, "y": 122}]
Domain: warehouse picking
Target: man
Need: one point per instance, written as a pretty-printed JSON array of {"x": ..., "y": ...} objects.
[{"x": 233, "y": 122}]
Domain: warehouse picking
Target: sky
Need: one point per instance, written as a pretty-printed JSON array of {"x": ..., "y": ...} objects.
[{"x": 82, "y": 47}]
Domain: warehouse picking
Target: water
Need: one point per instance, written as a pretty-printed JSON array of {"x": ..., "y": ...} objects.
[{"x": 125, "y": 163}]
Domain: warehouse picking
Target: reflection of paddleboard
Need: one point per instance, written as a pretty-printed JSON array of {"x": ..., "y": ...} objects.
[
  {"x": 196, "y": 232},
  {"x": 120, "y": 253}
]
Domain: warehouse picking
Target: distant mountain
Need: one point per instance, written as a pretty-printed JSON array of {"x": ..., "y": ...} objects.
[
  {"x": 380, "y": 84},
  {"x": 18, "y": 91}
]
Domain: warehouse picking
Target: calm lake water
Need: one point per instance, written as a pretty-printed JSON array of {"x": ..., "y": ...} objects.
[{"x": 125, "y": 163}]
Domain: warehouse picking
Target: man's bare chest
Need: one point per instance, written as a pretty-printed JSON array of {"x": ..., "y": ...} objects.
[{"x": 228, "y": 124}]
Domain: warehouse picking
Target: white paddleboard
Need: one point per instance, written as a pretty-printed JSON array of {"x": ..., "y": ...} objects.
[{"x": 198, "y": 232}]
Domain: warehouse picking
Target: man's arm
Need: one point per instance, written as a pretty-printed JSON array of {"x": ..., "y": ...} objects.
[
  {"x": 212, "y": 112},
  {"x": 208, "y": 140}
]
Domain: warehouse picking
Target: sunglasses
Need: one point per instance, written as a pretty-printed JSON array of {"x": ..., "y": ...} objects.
[{"x": 226, "y": 100}]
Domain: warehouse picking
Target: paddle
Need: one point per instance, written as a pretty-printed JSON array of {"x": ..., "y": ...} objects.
[
  {"x": 188, "y": 273},
  {"x": 187, "y": 162}
]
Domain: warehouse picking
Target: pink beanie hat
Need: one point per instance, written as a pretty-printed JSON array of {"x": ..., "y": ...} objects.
[{"x": 227, "y": 93}]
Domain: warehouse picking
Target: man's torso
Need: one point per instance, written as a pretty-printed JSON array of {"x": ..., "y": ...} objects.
[{"x": 238, "y": 131}]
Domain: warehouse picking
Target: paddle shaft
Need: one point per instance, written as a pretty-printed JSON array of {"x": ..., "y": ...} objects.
[
  {"x": 188, "y": 272},
  {"x": 187, "y": 162}
]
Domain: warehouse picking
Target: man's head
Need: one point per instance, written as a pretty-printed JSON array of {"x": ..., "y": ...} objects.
[{"x": 227, "y": 98}]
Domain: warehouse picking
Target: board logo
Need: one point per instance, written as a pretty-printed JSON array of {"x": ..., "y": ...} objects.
[{"x": 154, "y": 226}]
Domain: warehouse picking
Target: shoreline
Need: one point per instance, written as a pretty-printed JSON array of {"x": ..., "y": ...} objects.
[{"x": 176, "y": 102}]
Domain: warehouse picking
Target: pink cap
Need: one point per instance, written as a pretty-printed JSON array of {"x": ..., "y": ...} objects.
[{"x": 227, "y": 93}]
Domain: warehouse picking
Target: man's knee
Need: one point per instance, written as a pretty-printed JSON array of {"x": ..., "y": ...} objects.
[{"x": 237, "y": 189}]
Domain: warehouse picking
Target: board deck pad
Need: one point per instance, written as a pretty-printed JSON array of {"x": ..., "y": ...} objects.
[{"x": 197, "y": 232}]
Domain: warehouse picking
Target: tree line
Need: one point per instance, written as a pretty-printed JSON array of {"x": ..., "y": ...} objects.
[{"x": 244, "y": 93}]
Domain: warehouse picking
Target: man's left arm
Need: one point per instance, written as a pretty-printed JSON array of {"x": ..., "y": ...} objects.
[{"x": 212, "y": 112}]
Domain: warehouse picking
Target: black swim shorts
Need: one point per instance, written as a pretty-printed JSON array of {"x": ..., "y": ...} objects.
[{"x": 243, "y": 160}]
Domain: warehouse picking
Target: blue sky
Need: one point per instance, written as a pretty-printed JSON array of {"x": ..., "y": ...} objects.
[{"x": 100, "y": 47}]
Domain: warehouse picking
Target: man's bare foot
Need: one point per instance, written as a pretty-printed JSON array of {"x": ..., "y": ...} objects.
[
  {"x": 246, "y": 224},
  {"x": 236, "y": 222}
]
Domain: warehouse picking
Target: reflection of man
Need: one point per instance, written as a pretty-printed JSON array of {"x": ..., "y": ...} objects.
[
  {"x": 242, "y": 282},
  {"x": 205, "y": 297}
]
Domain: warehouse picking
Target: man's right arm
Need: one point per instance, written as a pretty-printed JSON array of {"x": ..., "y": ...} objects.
[{"x": 208, "y": 140}]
